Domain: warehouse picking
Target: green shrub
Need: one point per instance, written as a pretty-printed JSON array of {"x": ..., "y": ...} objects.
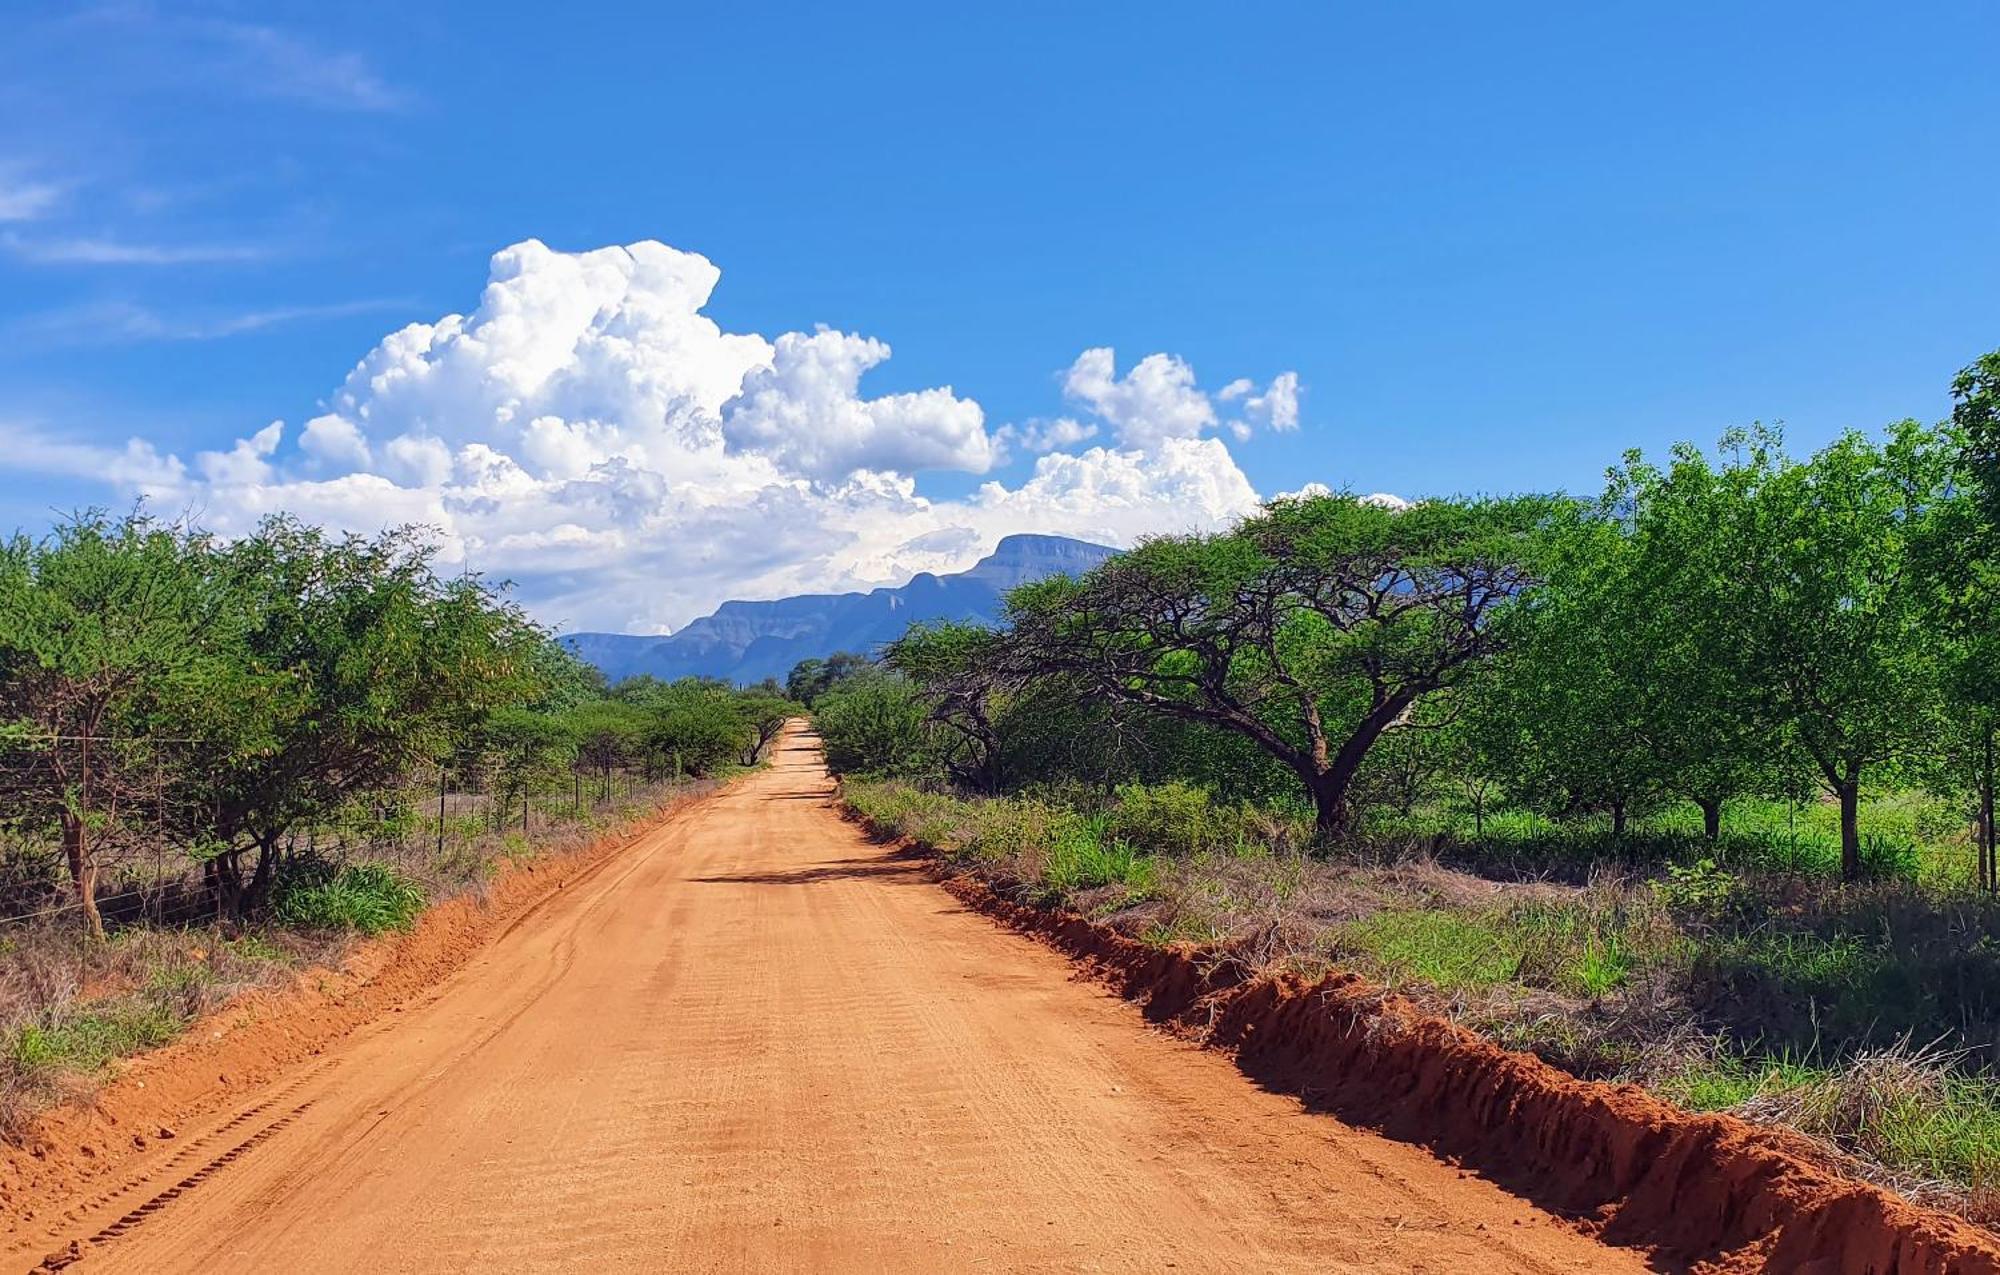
[
  {"x": 1173, "y": 818},
  {"x": 368, "y": 897},
  {"x": 873, "y": 725},
  {"x": 1700, "y": 887}
]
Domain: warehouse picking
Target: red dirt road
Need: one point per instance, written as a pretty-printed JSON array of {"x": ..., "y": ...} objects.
[{"x": 757, "y": 1042}]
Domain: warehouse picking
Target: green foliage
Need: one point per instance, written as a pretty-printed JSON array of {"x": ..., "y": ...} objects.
[
  {"x": 367, "y": 897},
  {"x": 1309, "y": 630},
  {"x": 874, "y": 725},
  {"x": 1173, "y": 818},
  {"x": 1700, "y": 886},
  {"x": 810, "y": 679}
]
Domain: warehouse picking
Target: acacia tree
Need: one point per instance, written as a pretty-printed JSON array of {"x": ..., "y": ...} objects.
[
  {"x": 1310, "y": 629},
  {"x": 958, "y": 672},
  {"x": 764, "y": 710}
]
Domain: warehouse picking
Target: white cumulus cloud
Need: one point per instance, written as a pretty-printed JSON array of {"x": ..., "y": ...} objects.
[{"x": 587, "y": 432}]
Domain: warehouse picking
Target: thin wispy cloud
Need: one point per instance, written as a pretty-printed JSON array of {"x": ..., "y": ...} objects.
[
  {"x": 137, "y": 50},
  {"x": 91, "y": 250},
  {"x": 26, "y": 201},
  {"x": 275, "y": 63},
  {"x": 124, "y": 322}
]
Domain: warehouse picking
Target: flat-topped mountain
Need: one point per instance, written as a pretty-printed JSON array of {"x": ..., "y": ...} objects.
[{"x": 749, "y": 641}]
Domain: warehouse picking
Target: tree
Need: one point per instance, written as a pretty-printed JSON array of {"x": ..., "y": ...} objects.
[
  {"x": 116, "y": 642},
  {"x": 1565, "y": 711},
  {"x": 1822, "y": 601},
  {"x": 765, "y": 711},
  {"x": 1963, "y": 572},
  {"x": 812, "y": 678},
  {"x": 873, "y": 724},
  {"x": 695, "y": 724},
  {"x": 1975, "y": 415},
  {"x": 957, "y": 670},
  {"x": 387, "y": 668},
  {"x": 608, "y": 733},
  {"x": 1310, "y": 629}
]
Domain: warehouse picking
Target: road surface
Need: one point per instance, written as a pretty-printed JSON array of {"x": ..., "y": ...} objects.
[{"x": 757, "y": 1042}]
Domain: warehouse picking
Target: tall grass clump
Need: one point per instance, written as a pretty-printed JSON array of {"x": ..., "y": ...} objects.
[{"x": 369, "y": 898}]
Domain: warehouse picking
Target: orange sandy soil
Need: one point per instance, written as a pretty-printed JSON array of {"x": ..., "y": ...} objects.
[{"x": 750, "y": 1039}]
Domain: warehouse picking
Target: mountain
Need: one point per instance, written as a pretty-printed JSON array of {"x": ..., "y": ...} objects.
[{"x": 749, "y": 641}]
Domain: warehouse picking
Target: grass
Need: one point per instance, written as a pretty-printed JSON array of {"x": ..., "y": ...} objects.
[
  {"x": 1730, "y": 976},
  {"x": 1448, "y": 950},
  {"x": 88, "y": 1042},
  {"x": 1907, "y": 1109},
  {"x": 368, "y": 898}
]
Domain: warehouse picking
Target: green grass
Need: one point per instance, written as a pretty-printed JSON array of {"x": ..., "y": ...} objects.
[
  {"x": 1082, "y": 857},
  {"x": 367, "y": 897},
  {"x": 1452, "y": 951},
  {"x": 89, "y": 1042}
]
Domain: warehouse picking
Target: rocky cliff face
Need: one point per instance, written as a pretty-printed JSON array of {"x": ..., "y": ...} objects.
[{"x": 749, "y": 641}]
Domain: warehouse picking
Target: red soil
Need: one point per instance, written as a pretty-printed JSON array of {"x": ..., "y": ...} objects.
[
  {"x": 1722, "y": 1194},
  {"x": 257, "y": 1037}
]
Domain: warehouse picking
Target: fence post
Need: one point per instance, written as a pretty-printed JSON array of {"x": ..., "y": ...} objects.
[{"x": 441, "y": 777}]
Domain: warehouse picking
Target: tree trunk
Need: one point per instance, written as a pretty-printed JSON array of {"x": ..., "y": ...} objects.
[
  {"x": 1329, "y": 813},
  {"x": 1850, "y": 828},
  {"x": 261, "y": 877},
  {"x": 1332, "y": 815},
  {"x": 1329, "y": 782},
  {"x": 1711, "y": 818},
  {"x": 1618, "y": 820},
  {"x": 83, "y": 873},
  {"x": 1989, "y": 863}
]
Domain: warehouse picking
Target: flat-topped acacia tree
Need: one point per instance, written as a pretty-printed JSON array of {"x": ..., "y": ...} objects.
[{"x": 1310, "y": 629}]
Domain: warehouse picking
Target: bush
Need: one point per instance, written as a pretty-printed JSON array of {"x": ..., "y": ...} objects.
[
  {"x": 873, "y": 725},
  {"x": 1174, "y": 818},
  {"x": 368, "y": 897}
]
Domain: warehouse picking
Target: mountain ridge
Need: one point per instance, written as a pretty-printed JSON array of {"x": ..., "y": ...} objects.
[{"x": 747, "y": 641}]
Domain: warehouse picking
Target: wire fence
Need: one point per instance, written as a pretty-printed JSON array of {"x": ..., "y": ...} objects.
[{"x": 442, "y": 828}]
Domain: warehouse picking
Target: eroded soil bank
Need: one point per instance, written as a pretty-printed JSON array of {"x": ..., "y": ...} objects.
[{"x": 1712, "y": 1191}]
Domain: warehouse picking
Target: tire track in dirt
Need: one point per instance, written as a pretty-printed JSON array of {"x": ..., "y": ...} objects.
[{"x": 758, "y": 1042}]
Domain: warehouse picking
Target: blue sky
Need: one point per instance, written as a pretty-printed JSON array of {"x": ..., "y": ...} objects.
[{"x": 1496, "y": 249}]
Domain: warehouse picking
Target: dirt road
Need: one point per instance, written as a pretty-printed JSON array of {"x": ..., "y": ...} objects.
[{"x": 757, "y": 1042}]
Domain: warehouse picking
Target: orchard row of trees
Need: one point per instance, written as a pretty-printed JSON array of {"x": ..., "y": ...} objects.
[
  {"x": 161, "y": 685},
  {"x": 1742, "y": 622}
]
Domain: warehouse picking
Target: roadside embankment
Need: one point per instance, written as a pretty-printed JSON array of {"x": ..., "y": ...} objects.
[{"x": 1714, "y": 1191}]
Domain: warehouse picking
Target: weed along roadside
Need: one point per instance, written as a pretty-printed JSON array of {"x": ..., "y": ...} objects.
[
  {"x": 1712, "y": 1190},
  {"x": 114, "y": 1090}
]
